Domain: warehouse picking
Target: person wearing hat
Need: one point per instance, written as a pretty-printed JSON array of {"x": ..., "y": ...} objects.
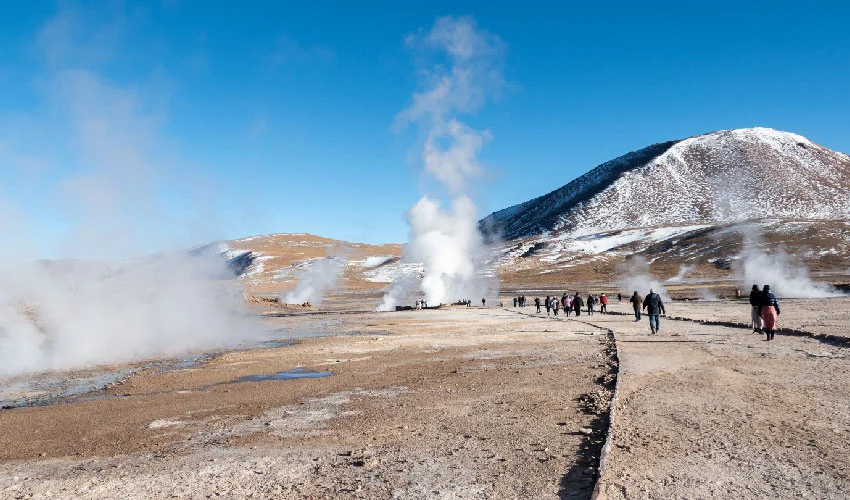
[
  {"x": 654, "y": 309},
  {"x": 755, "y": 304},
  {"x": 768, "y": 310}
]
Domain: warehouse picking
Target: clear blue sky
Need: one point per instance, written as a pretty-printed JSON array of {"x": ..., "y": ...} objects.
[{"x": 255, "y": 117}]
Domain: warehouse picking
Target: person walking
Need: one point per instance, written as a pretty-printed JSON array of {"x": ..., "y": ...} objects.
[
  {"x": 555, "y": 305},
  {"x": 548, "y": 305},
  {"x": 591, "y": 301},
  {"x": 619, "y": 297},
  {"x": 577, "y": 304},
  {"x": 768, "y": 310},
  {"x": 483, "y": 302},
  {"x": 603, "y": 304},
  {"x": 515, "y": 301},
  {"x": 568, "y": 305},
  {"x": 637, "y": 302},
  {"x": 654, "y": 309},
  {"x": 755, "y": 304},
  {"x": 537, "y": 303}
]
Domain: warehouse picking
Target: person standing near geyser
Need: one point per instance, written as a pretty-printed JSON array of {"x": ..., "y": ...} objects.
[
  {"x": 768, "y": 310},
  {"x": 654, "y": 309},
  {"x": 755, "y": 304}
]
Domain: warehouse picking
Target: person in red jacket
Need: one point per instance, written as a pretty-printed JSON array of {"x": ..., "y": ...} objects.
[{"x": 603, "y": 307}]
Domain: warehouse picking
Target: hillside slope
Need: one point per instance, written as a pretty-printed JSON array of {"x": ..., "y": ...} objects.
[{"x": 717, "y": 178}]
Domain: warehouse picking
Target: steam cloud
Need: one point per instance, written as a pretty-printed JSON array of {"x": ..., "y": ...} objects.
[
  {"x": 684, "y": 270},
  {"x": 115, "y": 197},
  {"x": 65, "y": 314},
  {"x": 446, "y": 240},
  {"x": 787, "y": 277},
  {"x": 634, "y": 275},
  {"x": 315, "y": 280}
]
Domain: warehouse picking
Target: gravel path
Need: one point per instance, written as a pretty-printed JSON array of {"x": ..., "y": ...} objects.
[{"x": 717, "y": 412}]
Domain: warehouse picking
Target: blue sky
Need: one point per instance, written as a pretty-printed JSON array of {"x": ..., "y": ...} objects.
[{"x": 174, "y": 122}]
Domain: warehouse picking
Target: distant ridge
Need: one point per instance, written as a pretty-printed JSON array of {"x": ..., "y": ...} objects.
[{"x": 717, "y": 178}]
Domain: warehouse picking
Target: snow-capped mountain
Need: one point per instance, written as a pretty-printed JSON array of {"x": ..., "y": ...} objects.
[
  {"x": 717, "y": 178},
  {"x": 684, "y": 204}
]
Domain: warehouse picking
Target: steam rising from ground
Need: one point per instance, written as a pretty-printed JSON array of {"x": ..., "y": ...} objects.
[
  {"x": 634, "y": 275},
  {"x": 684, "y": 270},
  {"x": 446, "y": 239},
  {"x": 787, "y": 276},
  {"x": 64, "y": 314},
  {"x": 114, "y": 198},
  {"x": 315, "y": 280}
]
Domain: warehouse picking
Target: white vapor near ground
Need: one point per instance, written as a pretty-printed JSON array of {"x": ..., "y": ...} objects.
[
  {"x": 113, "y": 198},
  {"x": 315, "y": 280},
  {"x": 446, "y": 239},
  {"x": 634, "y": 275},
  {"x": 787, "y": 276}
]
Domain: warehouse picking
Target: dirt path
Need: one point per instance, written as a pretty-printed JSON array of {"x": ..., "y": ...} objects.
[
  {"x": 818, "y": 316},
  {"x": 717, "y": 412},
  {"x": 459, "y": 403}
]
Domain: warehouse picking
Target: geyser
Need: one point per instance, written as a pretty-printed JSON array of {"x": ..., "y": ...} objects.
[{"x": 444, "y": 233}]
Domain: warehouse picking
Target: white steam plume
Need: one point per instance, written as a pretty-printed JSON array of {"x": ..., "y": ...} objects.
[
  {"x": 446, "y": 240},
  {"x": 634, "y": 275},
  {"x": 116, "y": 200},
  {"x": 684, "y": 270},
  {"x": 787, "y": 276},
  {"x": 315, "y": 280}
]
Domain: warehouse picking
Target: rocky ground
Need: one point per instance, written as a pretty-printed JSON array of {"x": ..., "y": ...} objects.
[
  {"x": 466, "y": 403},
  {"x": 458, "y": 403}
]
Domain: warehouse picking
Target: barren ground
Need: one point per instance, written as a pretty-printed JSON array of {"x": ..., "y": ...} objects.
[
  {"x": 457, "y": 403},
  {"x": 466, "y": 403}
]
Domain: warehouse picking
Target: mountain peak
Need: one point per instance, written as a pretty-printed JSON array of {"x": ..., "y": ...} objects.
[{"x": 715, "y": 178}]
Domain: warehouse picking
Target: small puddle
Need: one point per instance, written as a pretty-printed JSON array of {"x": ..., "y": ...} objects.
[{"x": 284, "y": 375}]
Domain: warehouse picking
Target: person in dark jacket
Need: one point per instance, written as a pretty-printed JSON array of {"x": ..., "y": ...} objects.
[
  {"x": 755, "y": 304},
  {"x": 637, "y": 302},
  {"x": 591, "y": 301},
  {"x": 654, "y": 309},
  {"x": 577, "y": 304},
  {"x": 537, "y": 303},
  {"x": 768, "y": 310},
  {"x": 548, "y": 305}
]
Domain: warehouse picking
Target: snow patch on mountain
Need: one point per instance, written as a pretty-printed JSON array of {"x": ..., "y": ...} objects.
[{"x": 717, "y": 178}]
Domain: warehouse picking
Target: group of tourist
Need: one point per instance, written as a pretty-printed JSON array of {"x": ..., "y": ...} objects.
[
  {"x": 567, "y": 303},
  {"x": 764, "y": 308}
]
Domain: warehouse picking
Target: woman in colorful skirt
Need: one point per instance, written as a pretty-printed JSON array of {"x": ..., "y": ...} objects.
[{"x": 768, "y": 310}]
